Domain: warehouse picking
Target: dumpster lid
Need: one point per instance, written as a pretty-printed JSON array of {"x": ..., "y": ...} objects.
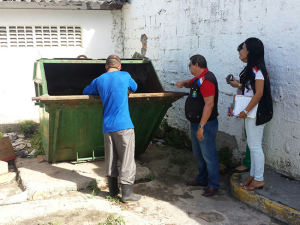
[{"x": 45, "y": 98}]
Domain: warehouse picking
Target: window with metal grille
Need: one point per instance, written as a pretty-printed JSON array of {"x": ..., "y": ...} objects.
[
  {"x": 40, "y": 36},
  {"x": 3, "y": 37}
]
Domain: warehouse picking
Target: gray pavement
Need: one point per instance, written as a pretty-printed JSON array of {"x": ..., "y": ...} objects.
[
  {"x": 280, "y": 189},
  {"x": 279, "y": 198}
]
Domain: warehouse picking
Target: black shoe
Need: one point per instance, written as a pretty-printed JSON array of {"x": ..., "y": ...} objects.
[
  {"x": 127, "y": 194},
  {"x": 241, "y": 171},
  {"x": 113, "y": 186},
  {"x": 195, "y": 183},
  {"x": 209, "y": 192}
]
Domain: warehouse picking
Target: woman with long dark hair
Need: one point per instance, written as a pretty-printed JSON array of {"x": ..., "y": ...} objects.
[
  {"x": 245, "y": 167},
  {"x": 255, "y": 83}
]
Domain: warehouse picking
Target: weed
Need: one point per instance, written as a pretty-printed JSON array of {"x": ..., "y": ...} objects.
[
  {"x": 28, "y": 127},
  {"x": 151, "y": 177},
  {"x": 8, "y": 130},
  {"x": 37, "y": 142},
  {"x": 95, "y": 191},
  {"x": 173, "y": 136},
  {"x": 112, "y": 221},
  {"x": 115, "y": 199},
  {"x": 19, "y": 179},
  {"x": 52, "y": 223},
  {"x": 92, "y": 185},
  {"x": 1, "y": 135},
  {"x": 225, "y": 156}
]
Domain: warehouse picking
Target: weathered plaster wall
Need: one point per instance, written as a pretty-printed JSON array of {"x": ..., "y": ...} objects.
[
  {"x": 178, "y": 29},
  {"x": 100, "y": 30}
]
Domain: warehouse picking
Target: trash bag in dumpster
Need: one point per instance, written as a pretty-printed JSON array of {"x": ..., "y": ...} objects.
[{"x": 72, "y": 123}]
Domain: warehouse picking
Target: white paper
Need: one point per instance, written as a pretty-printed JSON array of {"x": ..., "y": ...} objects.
[{"x": 240, "y": 103}]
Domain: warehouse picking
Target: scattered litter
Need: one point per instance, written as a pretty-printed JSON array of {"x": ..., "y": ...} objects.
[
  {"x": 161, "y": 140},
  {"x": 202, "y": 217},
  {"x": 22, "y": 154},
  {"x": 12, "y": 136},
  {"x": 20, "y": 147},
  {"x": 160, "y": 144},
  {"x": 81, "y": 171},
  {"x": 40, "y": 158},
  {"x": 32, "y": 152},
  {"x": 150, "y": 144}
]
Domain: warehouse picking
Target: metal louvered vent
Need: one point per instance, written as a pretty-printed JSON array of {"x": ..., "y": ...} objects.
[
  {"x": 3, "y": 37},
  {"x": 40, "y": 36}
]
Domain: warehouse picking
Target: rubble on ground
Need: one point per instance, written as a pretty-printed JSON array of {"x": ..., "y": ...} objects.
[{"x": 22, "y": 147}]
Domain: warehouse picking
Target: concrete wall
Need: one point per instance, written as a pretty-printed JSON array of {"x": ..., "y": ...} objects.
[
  {"x": 100, "y": 31},
  {"x": 178, "y": 29}
]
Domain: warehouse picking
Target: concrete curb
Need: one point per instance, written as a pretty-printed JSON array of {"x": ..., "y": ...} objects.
[{"x": 272, "y": 208}]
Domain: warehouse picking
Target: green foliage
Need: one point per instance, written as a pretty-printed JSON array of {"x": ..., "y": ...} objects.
[
  {"x": 95, "y": 191},
  {"x": 225, "y": 156},
  {"x": 151, "y": 177},
  {"x": 173, "y": 136},
  {"x": 28, "y": 127},
  {"x": 92, "y": 185},
  {"x": 37, "y": 143},
  {"x": 115, "y": 199},
  {"x": 52, "y": 223},
  {"x": 1, "y": 135},
  {"x": 112, "y": 221}
]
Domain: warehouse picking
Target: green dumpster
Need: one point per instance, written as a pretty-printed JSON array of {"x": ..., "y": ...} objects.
[{"x": 71, "y": 123}]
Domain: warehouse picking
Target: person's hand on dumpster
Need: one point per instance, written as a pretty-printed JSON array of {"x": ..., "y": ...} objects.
[{"x": 179, "y": 84}]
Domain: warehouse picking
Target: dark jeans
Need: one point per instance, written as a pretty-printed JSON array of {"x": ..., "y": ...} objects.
[{"x": 206, "y": 153}]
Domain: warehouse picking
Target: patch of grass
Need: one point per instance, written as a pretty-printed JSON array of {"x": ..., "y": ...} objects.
[
  {"x": 111, "y": 220},
  {"x": 37, "y": 142},
  {"x": 1, "y": 135},
  {"x": 95, "y": 191},
  {"x": 151, "y": 177},
  {"x": 173, "y": 136},
  {"x": 92, "y": 185},
  {"x": 28, "y": 127},
  {"x": 225, "y": 156},
  {"x": 19, "y": 179},
  {"x": 115, "y": 199},
  {"x": 51, "y": 223},
  {"x": 8, "y": 130}
]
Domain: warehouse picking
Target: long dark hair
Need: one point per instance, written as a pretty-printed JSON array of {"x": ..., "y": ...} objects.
[{"x": 256, "y": 55}]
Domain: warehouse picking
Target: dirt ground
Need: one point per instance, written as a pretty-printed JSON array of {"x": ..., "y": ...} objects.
[{"x": 165, "y": 200}]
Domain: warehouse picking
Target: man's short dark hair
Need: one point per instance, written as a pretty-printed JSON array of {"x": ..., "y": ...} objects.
[
  {"x": 200, "y": 60},
  {"x": 113, "y": 61}
]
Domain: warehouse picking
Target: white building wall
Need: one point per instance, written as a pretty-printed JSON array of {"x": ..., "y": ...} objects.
[
  {"x": 179, "y": 29},
  {"x": 100, "y": 29}
]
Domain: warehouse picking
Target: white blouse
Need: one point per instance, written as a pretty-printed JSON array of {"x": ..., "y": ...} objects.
[{"x": 258, "y": 76}]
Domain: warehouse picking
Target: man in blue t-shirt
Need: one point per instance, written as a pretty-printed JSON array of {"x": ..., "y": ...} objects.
[{"x": 119, "y": 139}]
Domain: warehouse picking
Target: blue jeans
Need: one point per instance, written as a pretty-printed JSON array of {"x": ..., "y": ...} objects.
[{"x": 206, "y": 153}]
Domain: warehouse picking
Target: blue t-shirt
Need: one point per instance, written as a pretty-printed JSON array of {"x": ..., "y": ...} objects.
[{"x": 113, "y": 90}]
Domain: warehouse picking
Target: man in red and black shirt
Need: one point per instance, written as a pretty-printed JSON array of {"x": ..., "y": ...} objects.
[{"x": 201, "y": 109}]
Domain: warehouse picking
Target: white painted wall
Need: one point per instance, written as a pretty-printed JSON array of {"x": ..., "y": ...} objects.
[
  {"x": 178, "y": 29},
  {"x": 100, "y": 29}
]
